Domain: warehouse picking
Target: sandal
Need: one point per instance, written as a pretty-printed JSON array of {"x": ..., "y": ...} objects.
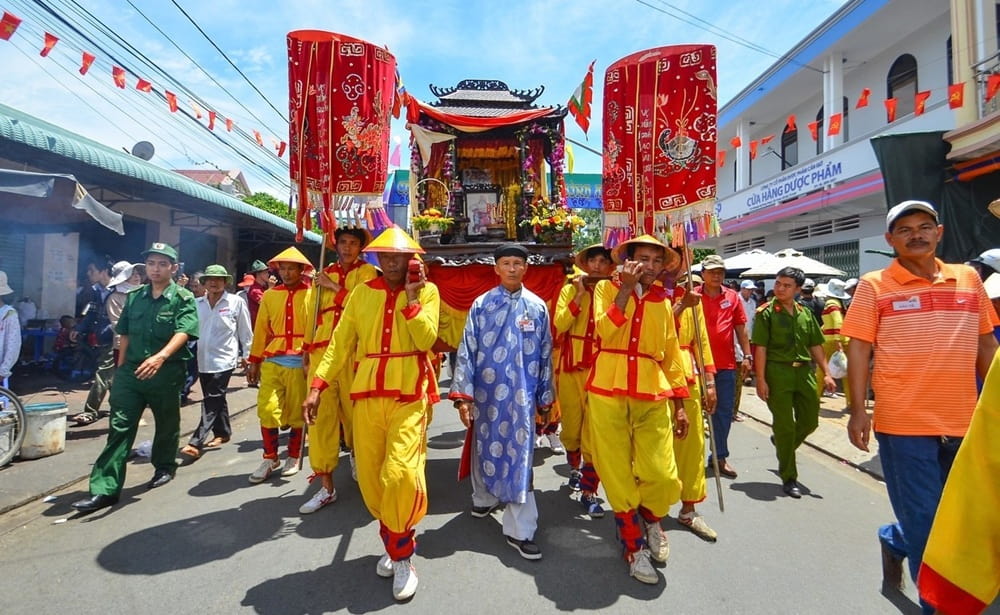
[
  {"x": 190, "y": 451},
  {"x": 216, "y": 442},
  {"x": 84, "y": 418}
]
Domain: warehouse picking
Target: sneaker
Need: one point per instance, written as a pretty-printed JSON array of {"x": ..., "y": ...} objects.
[
  {"x": 404, "y": 579},
  {"x": 641, "y": 568},
  {"x": 319, "y": 499},
  {"x": 527, "y": 548},
  {"x": 575, "y": 476},
  {"x": 480, "y": 512},
  {"x": 354, "y": 466},
  {"x": 291, "y": 467},
  {"x": 697, "y": 525},
  {"x": 592, "y": 505},
  {"x": 384, "y": 566},
  {"x": 555, "y": 443},
  {"x": 656, "y": 538},
  {"x": 264, "y": 470}
]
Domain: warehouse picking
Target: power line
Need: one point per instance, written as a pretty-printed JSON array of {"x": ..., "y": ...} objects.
[{"x": 223, "y": 53}]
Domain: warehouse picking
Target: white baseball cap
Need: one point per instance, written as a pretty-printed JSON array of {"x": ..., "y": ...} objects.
[
  {"x": 909, "y": 206},
  {"x": 990, "y": 258},
  {"x": 748, "y": 284}
]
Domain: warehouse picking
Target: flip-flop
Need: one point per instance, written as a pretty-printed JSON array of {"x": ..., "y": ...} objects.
[
  {"x": 83, "y": 419},
  {"x": 190, "y": 451}
]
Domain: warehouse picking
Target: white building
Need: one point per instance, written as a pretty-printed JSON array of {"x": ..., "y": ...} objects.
[{"x": 825, "y": 197}]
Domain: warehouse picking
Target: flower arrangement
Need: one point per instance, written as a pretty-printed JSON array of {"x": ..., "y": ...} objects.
[
  {"x": 431, "y": 220},
  {"x": 552, "y": 223}
]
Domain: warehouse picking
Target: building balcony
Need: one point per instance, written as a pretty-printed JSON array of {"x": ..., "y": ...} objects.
[{"x": 979, "y": 138}]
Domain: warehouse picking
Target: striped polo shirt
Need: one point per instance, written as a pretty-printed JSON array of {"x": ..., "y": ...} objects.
[{"x": 926, "y": 338}]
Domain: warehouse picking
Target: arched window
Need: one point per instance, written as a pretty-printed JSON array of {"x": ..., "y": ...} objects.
[
  {"x": 901, "y": 84},
  {"x": 789, "y": 149}
]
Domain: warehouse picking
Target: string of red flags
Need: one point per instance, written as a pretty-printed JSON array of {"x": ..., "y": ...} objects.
[
  {"x": 790, "y": 124},
  {"x": 9, "y": 24},
  {"x": 890, "y": 109},
  {"x": 863, "y": 98}
]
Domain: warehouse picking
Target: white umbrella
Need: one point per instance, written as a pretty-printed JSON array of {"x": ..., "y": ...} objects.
[
  {"x": 743, "y": 261},
  {"x": 791, "y": 258}
]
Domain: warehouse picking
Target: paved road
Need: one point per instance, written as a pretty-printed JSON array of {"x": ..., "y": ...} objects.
[{"x": 212, "y": 542}]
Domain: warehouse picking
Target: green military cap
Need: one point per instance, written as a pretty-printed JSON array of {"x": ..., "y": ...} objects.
[
  {"x": 161, "y": 248},
  {"x": 215, "y": 271},
  {"x": 258, "y": 266}
]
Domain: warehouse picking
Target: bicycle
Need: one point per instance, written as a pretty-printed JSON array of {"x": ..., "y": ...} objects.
[{"x": 12, "y": 425}]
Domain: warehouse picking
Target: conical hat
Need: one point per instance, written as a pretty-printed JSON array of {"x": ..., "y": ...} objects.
[
  {"x": 290, "y": 255},
  {"x": 620, "y": 252},
  {"x": 394, "y": 239},
  {"x": 581, "y": 257}
]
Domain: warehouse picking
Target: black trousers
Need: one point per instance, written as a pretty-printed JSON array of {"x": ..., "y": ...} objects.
[{"x": 214, "y": 408}]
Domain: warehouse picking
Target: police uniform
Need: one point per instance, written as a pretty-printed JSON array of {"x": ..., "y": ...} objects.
[
  {"x": 793, "y": 396},
  {"x": 149, "y": 322}
]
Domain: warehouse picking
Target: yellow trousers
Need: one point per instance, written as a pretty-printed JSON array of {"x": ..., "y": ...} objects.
[
  {"x": 280, "y": 396},
  {"x": 334, "y": 409},
  {"x": 689, "y": 453},
  {"x": 828, "y": 349},
  {"x": 389, "y": 447},
  {"x": 573, "y": 403},
  {"x": 633, "y": 452}
]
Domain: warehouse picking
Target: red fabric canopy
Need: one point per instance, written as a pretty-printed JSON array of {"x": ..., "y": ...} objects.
[
  {"x": 459, "y": 286},
  {"x": 467, "y": 123}
]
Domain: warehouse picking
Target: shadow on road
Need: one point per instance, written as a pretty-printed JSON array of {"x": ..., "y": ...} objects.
[{"x": 349, "y": 585}]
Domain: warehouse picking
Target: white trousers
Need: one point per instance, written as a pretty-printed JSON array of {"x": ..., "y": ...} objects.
[{"x": 519, "y": 520}]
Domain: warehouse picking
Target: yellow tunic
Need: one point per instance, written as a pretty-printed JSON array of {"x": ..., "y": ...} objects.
[
  {"x": 576, "y": 324},
  {"x": 689, "y": 453},
  {"x": 281, "y": 323},
  {"x": 332, "y": 304}
]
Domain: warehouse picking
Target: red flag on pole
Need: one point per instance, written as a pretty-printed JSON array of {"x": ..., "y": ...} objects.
[
  {"x": 956, "y": 95},
  {"x": 863, "y": 99},
  {"x": 836, "y": 120},
  {"x": 992, "y": 86},
  {"x": 118, "y": 74},
  {"x": 721, "y": 155},
  {"x": 50, "y": 42},
  {"x": 8, "y": 24},
  {"x": 814, "y": 130},
  {"x": 790, "y": 124},
  {"x": 736, "y": 142},
  {"x": 890, "y": 109},
  {"x": 171, "y": 100},
  {"x": 766, "y": 140},
  {"x": 579, "y": 102},
  {"x": 753, "y": 149},
  {"x": 920, "y": 102},
  {"x": 229, "y": 125},
  {"x": 88, "y": 59},
  {"x": 211, "y": 120},
  {"x": 143, "y": 86}
]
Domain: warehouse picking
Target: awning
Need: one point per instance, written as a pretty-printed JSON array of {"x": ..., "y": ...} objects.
[{"x": 39, "y": 198}]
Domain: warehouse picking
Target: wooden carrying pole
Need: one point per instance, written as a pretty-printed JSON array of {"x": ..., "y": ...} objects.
[
  {"x": 699, "y": 354},
  {"x": 314, "y": 325}
]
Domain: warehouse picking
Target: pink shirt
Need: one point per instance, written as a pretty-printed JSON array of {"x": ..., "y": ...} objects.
[{"x": 722, "y": 314}]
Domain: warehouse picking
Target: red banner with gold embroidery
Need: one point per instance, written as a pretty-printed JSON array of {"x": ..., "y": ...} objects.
[
  {"x": 659, "y": 137},
  {"x": 340, "y": 97}
]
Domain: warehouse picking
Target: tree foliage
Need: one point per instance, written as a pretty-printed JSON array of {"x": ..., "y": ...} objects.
[{"x": 263, "y": 200}]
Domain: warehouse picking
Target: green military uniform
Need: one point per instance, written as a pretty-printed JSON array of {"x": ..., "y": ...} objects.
[
  {"x": 149, "y": 324},
  {"x": 790, "y": 375}
]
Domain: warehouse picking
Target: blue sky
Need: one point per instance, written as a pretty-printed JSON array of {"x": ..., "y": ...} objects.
[{"x": 524, "y": 43}]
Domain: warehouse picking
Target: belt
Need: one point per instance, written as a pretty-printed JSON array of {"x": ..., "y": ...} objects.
[
  {"x": 792, "y": 363},
  {"x": 392, "y": 355},
  {"x": 631, "y": 355}
]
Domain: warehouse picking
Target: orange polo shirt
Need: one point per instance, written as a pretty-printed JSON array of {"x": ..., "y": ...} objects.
[
  {"x": 638, "y": 355},
  {"x": 926, "y": 339}
]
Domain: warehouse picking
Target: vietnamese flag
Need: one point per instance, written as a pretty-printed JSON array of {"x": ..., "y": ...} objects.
[
  {"x": 956, "y": 95},
  {"x": 196, "y": 109},
  {"x": 721, "y": 156},
  {"x": 171, "y": 100},
  {"x": 836, "y": 119},
  {"x": 790, "y": 124},
  {"x": 143, "y": 86},
  {"x": 766, "y": 140},
  {"x": 88, "y": 59},
  {"x": 8, "y": 24},
  {"x": 119, "y": 76},
  {"x": 579, "y": 102},
  {"x": 753, "y": 149},
  {"x": 960, "y": 571},
  {"x": 229, "y": 125},
  {"x": 211, "y": 120},
  {"x": 920, "y": 102},
  {"x": 50, "y": 42},
  {"x": 281, "y": 149},
  {"x": 736, "y": 142},
  {"x": 814, "y": 129},
  {"x": 863, "y": 99},
  {"x": 260, "y": 139},
  {"x": 992, "y": 86},
  {"x": 890, "y": 109}
]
